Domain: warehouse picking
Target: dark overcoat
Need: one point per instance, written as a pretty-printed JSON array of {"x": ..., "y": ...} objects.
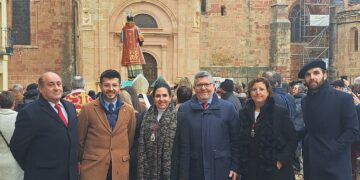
[
  {"x": 274, "y": 140},
  {"x": 331, "y": 122},
  {"x": 213, "y": 139},
  {"x": 42, "y": 145}
]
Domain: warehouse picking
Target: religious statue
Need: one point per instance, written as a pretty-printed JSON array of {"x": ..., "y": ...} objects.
[{"x": 132, "y": 56}]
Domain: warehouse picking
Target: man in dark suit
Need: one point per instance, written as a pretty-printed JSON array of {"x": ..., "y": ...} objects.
[
  {"x": 45, "y": 140},
  {"x": 213, "y": 142}
]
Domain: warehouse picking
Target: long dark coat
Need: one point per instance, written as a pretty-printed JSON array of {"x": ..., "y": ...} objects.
[
  {"x": 331, "y": 122},
  {"x": 214, "y": 139},
  {"x": 42, "y": 145},
  {"x": 274, "y": 140}
]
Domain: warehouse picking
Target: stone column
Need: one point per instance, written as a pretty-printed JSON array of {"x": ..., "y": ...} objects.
[{"x": 280, "y": 38}]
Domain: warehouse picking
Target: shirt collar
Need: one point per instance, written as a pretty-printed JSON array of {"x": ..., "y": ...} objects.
[
  {"x": 209, "y": 101},
  {"x": 53, "y": 104}
]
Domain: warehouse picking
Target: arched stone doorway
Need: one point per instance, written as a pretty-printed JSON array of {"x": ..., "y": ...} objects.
[{"x": 150, "y": 68}]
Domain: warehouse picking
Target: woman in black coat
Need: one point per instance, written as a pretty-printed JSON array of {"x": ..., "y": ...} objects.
[{"x": 267, "y": 136}]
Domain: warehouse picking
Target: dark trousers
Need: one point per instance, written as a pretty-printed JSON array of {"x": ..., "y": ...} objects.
[{"x": 109, "y": 174}]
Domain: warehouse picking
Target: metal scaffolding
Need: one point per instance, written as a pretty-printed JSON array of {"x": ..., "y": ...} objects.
[{"x": 315, "y": 29}]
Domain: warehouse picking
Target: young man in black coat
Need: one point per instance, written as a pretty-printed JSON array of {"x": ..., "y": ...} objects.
[{"x": 331, "y": 126}]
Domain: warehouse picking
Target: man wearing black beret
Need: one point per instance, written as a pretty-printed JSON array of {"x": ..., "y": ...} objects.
[{"x": 331, "y": 126}]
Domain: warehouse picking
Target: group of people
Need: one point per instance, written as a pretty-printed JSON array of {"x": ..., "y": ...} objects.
[{"x": 204, "y": 136}]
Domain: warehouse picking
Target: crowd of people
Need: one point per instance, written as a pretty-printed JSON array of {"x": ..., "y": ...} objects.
[{"x": 193, "y": 131}]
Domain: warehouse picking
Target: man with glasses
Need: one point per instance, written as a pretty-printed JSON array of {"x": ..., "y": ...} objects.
[
  {"x": 213, "y": 130},
  {"x": 106, "y": 131}
]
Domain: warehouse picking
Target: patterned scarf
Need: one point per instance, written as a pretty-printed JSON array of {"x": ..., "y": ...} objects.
[{"x": 156, "y": 143}]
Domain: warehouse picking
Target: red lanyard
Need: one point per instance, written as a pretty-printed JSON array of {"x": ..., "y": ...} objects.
[{"x": 253, "y": 126}]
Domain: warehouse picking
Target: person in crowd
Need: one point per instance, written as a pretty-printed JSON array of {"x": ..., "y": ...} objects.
[
  {"x": 227, "y": 93},
  {"x": 339, "y": 85},
  {"x": 66, "y": 90},
  {"x": 240, "y": 93},
  {"x": 78, "y": 94},
  {"x": 298, "y": 91},
  {"x": 294, "y": 90},
  {"x": 356, "y": 86},
  {"x": 135, "y": 100},
  {"x": 157, "y": 137},
  {"x": 331, "y": 126},
  {"x": 106, "y": 131},
  {"x": 92, "y": 94},
  {"x": 18, "y": 91},
  {"x": 141, "y": 86},
  {"x": 267, "y": 136},
  {"x": 355, "y": 147},
  {"x": 45, "y": 140},
  {"x": 139, "y": 113},
  {"x": 30, "y": 96},
  {"x": 213, "y": 132},
  {"x": 125, "y": 96},
  {"x": 9, "y": 168},
  {"x": 183, "y": 94},
  {"x": 280, "y": 96}
]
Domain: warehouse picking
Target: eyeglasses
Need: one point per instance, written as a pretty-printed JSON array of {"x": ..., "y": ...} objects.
[
  {"x": 257, "y": 90},
  {"x": 206, "y": 85}
]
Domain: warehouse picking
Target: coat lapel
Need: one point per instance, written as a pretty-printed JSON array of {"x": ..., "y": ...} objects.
[
  {"x": 124, "y": 117},
  {"x": 101, "y": 114},
  {"x": 45, "y": 106},
  {"x": 71, "y": 115}
]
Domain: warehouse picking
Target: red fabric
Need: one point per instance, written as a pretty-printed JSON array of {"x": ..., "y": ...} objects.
[
  {"x": 78, "y": 99},
  {"x": 131, "y": 54},
  {"x": 61, "y": 115},
  {"x": 205, "y": 105}
]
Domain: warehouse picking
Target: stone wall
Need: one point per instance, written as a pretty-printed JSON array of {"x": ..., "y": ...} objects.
[
  {"x": 50, "y": 48},
  {"x": 243, "y": 38},
  {"x": 346, "y": 58}
]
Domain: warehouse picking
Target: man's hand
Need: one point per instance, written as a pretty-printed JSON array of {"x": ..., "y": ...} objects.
[
  {"x": 232, "y": 175},
  {"x": 278, "y": 165}
]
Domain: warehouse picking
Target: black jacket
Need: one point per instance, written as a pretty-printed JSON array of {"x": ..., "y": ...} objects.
[
  {"x": 42, "y": 145},
  {"x": 274, "y": 140}
]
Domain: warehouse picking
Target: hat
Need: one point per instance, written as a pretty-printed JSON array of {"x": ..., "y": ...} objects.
[
  {"x": 338, "y": 83},
  {"x": 312, "y": 64},
  {"x": 294, "y": 82},
  {"x": 160, "y": 78},
  {"x": 31, "y": 86},
  {"x": 140, "y": 84},
  {"x": 227, "y": 85}
]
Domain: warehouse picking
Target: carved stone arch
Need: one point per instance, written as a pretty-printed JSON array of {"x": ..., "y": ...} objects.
[
  {"x": 295, "y": 3},
  {"x": 294, "y": 16},
  {"x": 150, "y": 69},
  {"x": 118, "y": 14},
  {"x": 157, "y": 57}
]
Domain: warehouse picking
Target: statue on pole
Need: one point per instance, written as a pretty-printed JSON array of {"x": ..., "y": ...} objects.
[{"x": 132, "y": 56}]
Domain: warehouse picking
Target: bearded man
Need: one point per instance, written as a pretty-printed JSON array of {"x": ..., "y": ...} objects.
[{"x": 331, "y": 126}]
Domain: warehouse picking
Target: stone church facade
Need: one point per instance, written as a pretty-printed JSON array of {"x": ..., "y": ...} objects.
[{"x": 230, "y": 38}]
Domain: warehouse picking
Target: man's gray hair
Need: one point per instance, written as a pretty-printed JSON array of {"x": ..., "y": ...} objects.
[
  {"x": 356, "y": 81},
  {"x": 301, "y": 87},
  {"x": 17, "y": 87},
  {"x": 78, "y": 82},
  {"x": 273, "y": 77},
  {"x": 202, "y": 74}
]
